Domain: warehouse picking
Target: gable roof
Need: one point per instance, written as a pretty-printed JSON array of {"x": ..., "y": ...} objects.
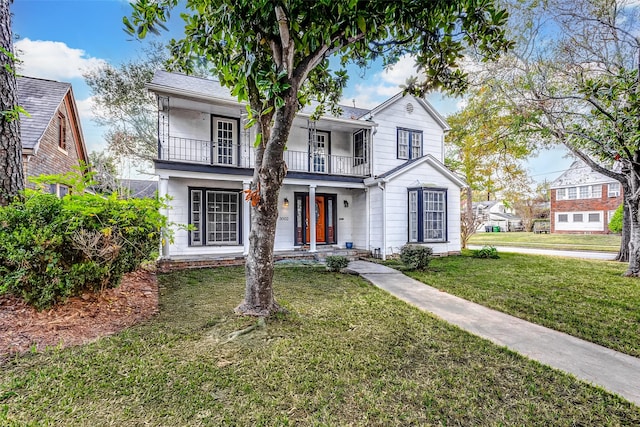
[
  {"x": 410, "y": 164},
  {"x": 579, "y": 173},
  {"x": 41, "y": 99},
  {"x": 421, "y": 101}
]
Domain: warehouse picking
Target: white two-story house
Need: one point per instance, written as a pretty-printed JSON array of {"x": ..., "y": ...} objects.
[{"x": 369, "y": 179}]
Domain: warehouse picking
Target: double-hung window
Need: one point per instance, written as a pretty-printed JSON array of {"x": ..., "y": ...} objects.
[
  {"x": 409, "y": 144},
  {"x": 427, "y": 215},
  {"x": 214, "y": 217},
  {"x": 614, "y": 189}
]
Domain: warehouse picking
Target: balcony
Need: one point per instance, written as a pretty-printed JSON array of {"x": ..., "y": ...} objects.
[{"x": 187, "y": 150}]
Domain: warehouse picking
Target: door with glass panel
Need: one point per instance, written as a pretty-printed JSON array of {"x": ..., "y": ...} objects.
[
  {"x": 225, "y": 141},
  {"x": 325, "y": 215}
]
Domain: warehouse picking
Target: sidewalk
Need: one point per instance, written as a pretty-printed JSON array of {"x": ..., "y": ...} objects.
[
  {"x": 614, "y": 371},
  {"x": 605, "y": 256}
]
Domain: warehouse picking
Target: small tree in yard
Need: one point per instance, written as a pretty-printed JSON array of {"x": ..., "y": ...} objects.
[{"x": 274, "y": 56}]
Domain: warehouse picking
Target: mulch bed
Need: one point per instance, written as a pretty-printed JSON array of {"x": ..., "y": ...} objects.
[{"x": 81, "y": 319}]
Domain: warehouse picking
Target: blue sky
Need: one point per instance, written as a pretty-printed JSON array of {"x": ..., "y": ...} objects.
[{"x": 60, "y": 39}]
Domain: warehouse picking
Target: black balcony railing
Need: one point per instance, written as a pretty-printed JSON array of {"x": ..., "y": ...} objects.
[{"x": 190, "y": 150}]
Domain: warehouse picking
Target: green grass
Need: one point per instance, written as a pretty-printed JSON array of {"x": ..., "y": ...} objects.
[
  {"x": 586, "y": 299},
  {"x": 583, "y": 242},
  {"x": 346, "y": 354}
]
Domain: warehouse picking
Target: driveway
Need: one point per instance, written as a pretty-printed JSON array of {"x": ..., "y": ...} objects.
[{"x": 605, "y": 256}]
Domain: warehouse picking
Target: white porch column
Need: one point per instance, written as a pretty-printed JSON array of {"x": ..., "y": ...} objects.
[
  {"x": 367, "y": 218},
  {"x": 163, "y": 192},
  {"x": 246, "y": 218},
  {"x": 312, "y": 218}
]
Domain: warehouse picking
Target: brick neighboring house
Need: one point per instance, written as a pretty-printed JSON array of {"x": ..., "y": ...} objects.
[
  {"x": 583, "y": 201},
  {"x": 52, "y": 140}
]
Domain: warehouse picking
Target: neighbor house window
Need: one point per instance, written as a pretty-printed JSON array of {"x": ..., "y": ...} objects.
[
  {"x": 594, "y": 217},
  {"x": 359, "y": 148},
  {"x": 571, "y": 193},
  {"x": 577, "y": 217},
  {"x": 214, "y": 217},
  {"x": 596, "y": 191},
  {"x": 614, "y": 189},
  {"x": 62, "y": 132},
  {"x": 563, "y": 218},
  {"x": 409, "y": 144},
  {"x": 427, "y": 215},
  {"x": 561, "y": 193},
  {"x": 584, "y": 192}
]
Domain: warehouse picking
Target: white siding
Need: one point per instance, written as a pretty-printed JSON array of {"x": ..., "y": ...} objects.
[
  {"x": 396, "y": 116},
  {"x": 179, "y": 214},
  {"x": 397, "y": 209},
  {"x": 585, "y": 225}
]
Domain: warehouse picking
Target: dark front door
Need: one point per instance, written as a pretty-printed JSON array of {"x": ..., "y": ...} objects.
[{"x": 325, "y": 219}]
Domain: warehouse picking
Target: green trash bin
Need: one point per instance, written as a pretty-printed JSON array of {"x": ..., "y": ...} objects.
[{"x": 496, "y": 228}]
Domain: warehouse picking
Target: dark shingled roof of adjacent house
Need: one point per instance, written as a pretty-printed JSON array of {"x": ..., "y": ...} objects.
[
  {"x": 139, "y": 188},
  {"x": 41, "y": 99}
]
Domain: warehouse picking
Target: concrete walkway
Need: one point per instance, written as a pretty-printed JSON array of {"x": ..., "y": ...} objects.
[
  {"x": 605, "y": 256},
  {"x": 612, "y": 370}
]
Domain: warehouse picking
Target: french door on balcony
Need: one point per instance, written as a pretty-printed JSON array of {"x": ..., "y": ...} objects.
[
  {"x": 325, "y": 212},
  {"x": 319, "y": 148},
  {"x": 225, "y": 140}
]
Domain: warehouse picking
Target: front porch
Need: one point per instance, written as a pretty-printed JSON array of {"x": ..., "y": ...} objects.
[{"x": 302, "y": 256}]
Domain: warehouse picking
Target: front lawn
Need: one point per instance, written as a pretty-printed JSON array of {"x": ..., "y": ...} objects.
[
  {"x": 584, "y": 298},
  {"x": 582, "y": 242},
  {"x": 346, "y": 354}
]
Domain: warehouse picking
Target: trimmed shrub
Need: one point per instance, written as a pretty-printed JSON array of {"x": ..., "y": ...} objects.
[
  {"x": 416, "y": 257},
  {"x": 52, "y": 248},
  {"x": 615, "y": 225},
  {"x": 336, "y": 262},
  {"x": 486, "y": 252}
]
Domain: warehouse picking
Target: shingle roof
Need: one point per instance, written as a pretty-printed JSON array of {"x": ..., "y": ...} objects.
[
  {"x": 41, "y": 99},
  {"x": 140, "y": 188},
  {"x": 579, "y": 174},
  {"x": 195, "y": 85},
  {"x": 202, "y": 86}
]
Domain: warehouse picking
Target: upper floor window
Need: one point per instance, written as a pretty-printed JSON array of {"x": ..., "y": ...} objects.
[
  {"x": 409, "y": 144},
  {"x": 359, "y": 148},
  {"x": 581, "y": 192},
  {"x": 62, "y": 132},
  {"x": 614, "y": 189}
]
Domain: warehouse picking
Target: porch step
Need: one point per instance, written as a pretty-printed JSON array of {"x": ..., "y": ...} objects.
[{"x": 208, "y": 261}]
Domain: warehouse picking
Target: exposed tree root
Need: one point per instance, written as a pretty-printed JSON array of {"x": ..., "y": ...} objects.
[{"x": 233, "y": 335}]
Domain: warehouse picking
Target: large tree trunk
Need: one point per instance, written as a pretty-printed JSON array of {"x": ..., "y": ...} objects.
[
  {"x": 632, "y": 201},
  {"x": 11, "y": 172},
  {"x": 623, "y": 254},
  {"x": 269, "y": 173}
]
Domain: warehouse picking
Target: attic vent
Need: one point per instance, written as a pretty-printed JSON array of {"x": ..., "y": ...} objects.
[{"x": 409, "y": 108}]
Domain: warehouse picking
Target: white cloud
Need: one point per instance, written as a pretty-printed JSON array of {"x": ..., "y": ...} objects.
[
  {"x": 85, "y": 109},
  {"x": 53, "y": 60},
  {"x": 383, "y": 85},
  {"x": 399, "y": 72}
]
